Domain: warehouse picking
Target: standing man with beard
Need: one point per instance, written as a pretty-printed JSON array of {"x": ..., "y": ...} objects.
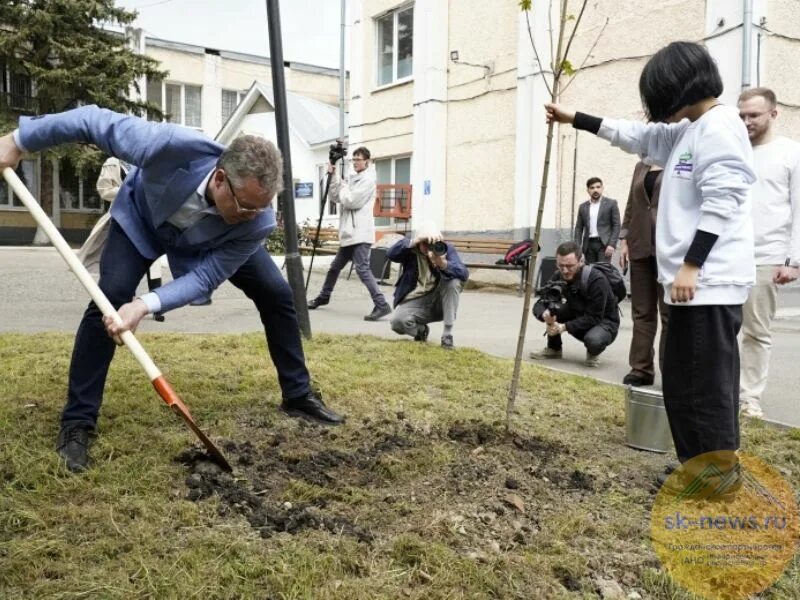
[
  {"x": 776, "y": 225},
  {"x": 597, "y": 226}
]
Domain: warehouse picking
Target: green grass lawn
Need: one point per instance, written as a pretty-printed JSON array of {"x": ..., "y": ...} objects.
[{"x": 413, "y": 498}]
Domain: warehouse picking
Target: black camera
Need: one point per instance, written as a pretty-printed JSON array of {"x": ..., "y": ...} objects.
[
  {"x": 439, "y": 248},
  {"x": 337, "y": 152},
  {"x": 552, "y": 296}
]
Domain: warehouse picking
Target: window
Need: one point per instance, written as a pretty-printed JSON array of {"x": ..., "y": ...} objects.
[
  {"x": 16, "y": 90},
  {"x": 77, "y": 191},
  {"x": 392, "y": 170},
  {"x": 26, "y": 171},
  {"x": 395, "y": 45},
  {"x": 230, "y": 100},
  {"x": 180, "y": 103}
]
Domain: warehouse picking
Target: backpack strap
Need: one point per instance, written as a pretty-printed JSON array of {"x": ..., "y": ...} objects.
[{"x": 585, "y": 278}]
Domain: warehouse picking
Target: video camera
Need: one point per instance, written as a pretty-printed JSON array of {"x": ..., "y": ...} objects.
[
  {"x": 337, "y": 152},
  {"x": 552, "y": 295}
]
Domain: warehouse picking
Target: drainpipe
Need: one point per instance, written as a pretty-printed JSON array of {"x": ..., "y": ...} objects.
[
  {"x": 747, "y": 37},
  {"x": 342, "y": 73}
]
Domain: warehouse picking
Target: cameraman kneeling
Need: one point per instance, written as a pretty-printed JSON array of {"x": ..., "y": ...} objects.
[
  {"x": 429, "y": 286},
  {"x": 587, "y": 310}
]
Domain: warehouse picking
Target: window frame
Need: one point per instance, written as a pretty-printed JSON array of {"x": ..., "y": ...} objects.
[
  {"x": 7, "y": 201},
  {"x": 391, "y": 221},
  {"x": 394, "y": 14},
  {"x": 83, "y": 183},
  {"x": 239, "y": 97},
  {"x": 164, "y": 83}
]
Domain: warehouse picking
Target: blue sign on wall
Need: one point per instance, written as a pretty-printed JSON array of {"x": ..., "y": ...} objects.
[
  {"x": 427, "y": 187},
  {"x": 304, "y": 189}
]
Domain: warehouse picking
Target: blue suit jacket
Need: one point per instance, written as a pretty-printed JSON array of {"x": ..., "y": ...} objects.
[{"x": 171, "y": 163}]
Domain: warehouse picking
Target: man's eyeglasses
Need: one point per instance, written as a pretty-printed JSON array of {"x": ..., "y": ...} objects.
[{"x": 239, "y": 208}]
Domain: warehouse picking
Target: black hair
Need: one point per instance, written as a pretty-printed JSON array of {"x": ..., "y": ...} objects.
[
  {"x": 680, "y": 74},
  {"x": 592, "y": 180},
  {"x": 567, "y": 248},
  {"x": 362, "y": 152}
]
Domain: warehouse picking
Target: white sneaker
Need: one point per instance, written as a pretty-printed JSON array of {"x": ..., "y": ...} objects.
[
  {"x": 750, "y": 407},
  {"x": 592, "y": 360}
]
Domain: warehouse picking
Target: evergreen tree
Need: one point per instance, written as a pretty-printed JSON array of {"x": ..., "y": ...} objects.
[{"x": 71, "y": 60}]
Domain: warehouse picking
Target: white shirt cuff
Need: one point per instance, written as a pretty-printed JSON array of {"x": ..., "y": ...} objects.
[
  {"x": 152, "y": 301},
  {"x": 15, "y": 135}
]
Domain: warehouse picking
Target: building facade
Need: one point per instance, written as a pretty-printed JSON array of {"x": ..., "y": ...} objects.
[
  {"x": 202, "y": 90},
  {"x": 453, "y": 93}
]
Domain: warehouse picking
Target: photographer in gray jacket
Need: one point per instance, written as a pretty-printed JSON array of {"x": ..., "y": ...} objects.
[{"x": 356, "y": 232}]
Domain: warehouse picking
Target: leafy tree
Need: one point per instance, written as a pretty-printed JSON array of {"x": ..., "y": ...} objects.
[{"x": 61, "y": 47}]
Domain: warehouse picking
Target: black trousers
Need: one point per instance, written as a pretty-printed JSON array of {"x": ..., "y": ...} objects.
[
  {"x": 701, "y": 378},
  {"x": 595, "y": 251}
]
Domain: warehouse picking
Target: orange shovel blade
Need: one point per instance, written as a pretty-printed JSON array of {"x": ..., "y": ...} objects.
[{"x": 169, "y": 396}]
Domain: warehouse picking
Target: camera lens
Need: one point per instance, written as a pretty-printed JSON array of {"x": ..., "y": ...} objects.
[{"x": 439, "y": 248}]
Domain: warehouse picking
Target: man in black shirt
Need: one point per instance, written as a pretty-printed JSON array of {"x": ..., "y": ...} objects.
[{"x": 587, "y": 308}]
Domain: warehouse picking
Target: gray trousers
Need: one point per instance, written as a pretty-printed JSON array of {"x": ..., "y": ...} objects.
[
  {"x": 359, "y": 254},
  {"x": 441, "y": 304}
]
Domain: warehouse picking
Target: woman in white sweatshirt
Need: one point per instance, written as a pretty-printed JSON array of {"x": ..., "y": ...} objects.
[{"x": 704, "y": 236}]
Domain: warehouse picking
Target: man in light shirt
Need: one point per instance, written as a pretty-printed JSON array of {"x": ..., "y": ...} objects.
[
  {"x": 776, "y": 225},
  {"x": 597, "y": 225}
]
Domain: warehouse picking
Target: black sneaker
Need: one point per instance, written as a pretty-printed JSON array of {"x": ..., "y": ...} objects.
[
  {"x": 422, "y": 334},
  {"x": 637, "y": 379},
  {"x": 73, "y": 446},
  {"x": 378, "y": 313},
  {"x": 317, "y": 302},
  {"x": 312, "y": 408}
]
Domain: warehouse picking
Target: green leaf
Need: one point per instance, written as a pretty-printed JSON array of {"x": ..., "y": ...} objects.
[
  {"x": 525, "y": 4},
  {"x": 570, "y": 18},
  {"x": 566, "y": 67}
]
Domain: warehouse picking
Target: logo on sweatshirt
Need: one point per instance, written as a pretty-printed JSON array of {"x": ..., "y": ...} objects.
[{"x": 684, "y": 166}]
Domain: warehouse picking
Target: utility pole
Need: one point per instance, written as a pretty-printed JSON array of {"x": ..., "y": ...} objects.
[{"x": 294, "y": 264}]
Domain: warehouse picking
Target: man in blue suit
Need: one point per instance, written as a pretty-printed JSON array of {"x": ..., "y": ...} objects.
[{"x": 209, "y": 208}]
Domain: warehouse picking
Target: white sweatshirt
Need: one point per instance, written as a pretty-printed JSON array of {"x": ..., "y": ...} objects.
[
  {"x": 776, "y": 202},
  {"x": 706, "y": 185},
  {"x": 356, "y": 197}
]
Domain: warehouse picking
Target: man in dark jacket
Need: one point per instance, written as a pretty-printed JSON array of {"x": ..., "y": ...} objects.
[
  {"x": 587, "y": 309},
  {"x": 429, "y": 287},
  {"x": 597, "y": 225}
]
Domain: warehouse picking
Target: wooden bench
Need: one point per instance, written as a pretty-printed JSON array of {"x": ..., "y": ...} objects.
[
  {"x": 494, "y": 249},
  {"x": 327, "y": 242}
]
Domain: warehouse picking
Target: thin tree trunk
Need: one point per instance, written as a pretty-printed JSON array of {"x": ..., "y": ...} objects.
[{"x": 512, "y": 392}]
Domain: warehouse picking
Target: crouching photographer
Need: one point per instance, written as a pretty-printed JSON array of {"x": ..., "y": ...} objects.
[
  {"x": 581, "y": 304},
  {"x": 429, "y": 286}
]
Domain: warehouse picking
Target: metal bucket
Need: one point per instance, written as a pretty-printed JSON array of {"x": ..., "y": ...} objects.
[{"x": 646, "y": 424}]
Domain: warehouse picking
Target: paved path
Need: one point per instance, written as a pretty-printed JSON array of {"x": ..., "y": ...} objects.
[{"x": 39, "y": 294}]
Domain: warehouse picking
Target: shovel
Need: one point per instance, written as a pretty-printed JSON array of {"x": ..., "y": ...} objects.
[{"x": 161, "y": 385}]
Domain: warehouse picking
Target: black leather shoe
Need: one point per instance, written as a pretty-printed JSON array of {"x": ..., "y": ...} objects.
[
  {"x": 637, "y": 380},
  {"x": 378, "y": 313},
  {"x": 73, "y": 446},
  {"x": 311, "y": 407},
  {"x": 422, "y": 334},
  {"x": 317, "y": 302}
]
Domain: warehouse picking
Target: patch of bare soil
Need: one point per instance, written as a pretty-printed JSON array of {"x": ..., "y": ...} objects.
[{"x": 470, "y": 485}]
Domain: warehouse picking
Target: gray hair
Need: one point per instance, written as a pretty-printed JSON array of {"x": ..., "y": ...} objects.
[
  {"x": 253, "y": 156},
  {"x": 427, "y": 229}
]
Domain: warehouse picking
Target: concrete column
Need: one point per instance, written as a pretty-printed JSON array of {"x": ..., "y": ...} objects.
[
  {"x": 211, "y": 95},
  {"x": 429, "y": 160}
]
